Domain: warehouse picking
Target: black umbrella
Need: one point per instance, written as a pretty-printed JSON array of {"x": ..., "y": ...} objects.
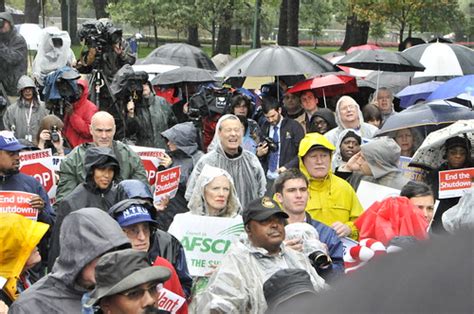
[
  {"x": 432, "y": 113},
  {"x": 394, "y": 81},
  {"x": 442, "y": 59},
  {"x": 184, "y": 55},
  {"x": 277, "y": 61},
  {"x": 381, "y": 60},
  {"x": 157, "y": 60},
  {"x": 183, "y": 75}
]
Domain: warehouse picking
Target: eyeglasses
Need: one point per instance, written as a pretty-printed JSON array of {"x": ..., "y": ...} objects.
[
  {"x": 135, "y": 230},
  {"x": 138, "y": 293}
]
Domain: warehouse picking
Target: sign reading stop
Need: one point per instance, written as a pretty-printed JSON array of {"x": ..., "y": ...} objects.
[
  {"x": 150, "y": 169},
  {"x": 40, "y": 173}
]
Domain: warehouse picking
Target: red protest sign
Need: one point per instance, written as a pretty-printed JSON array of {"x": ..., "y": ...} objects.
[
  {"x": 150, "y": 158},
  {"x": 19, "y": 203},
  {"x": 167, "y": 183},
  {"x": 39, "y": 164},
  {"x": 453, "y": 183}
]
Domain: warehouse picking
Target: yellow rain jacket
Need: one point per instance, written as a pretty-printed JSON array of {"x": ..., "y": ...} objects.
[
  {"x": 18, "y": 237},
  {"x": 331, "y": 199}
]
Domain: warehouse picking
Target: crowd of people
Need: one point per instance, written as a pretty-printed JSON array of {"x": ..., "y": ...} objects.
[{"x": 286, "y": 166}]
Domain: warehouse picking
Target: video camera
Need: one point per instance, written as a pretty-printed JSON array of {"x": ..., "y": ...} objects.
[
  {"x": 61, "y": 89},
  {"x": 208, "y": 102},
  {"x": 100, "y": 35}
]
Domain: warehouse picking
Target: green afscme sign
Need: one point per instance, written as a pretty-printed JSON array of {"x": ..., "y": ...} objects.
[{"x": 205, "y": 246}]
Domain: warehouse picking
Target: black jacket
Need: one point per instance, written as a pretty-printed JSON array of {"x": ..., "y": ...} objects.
[
  {"x": 291, "y": 134},
  {"x": 87, "y": 194}
]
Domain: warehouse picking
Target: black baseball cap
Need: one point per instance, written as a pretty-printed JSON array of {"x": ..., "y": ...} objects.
[{"x": 261, "y": 209}]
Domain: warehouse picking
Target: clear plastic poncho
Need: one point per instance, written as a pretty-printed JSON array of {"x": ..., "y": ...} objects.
[{"x": 460, "y": 216}]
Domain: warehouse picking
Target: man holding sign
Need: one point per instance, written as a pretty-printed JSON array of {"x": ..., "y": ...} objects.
[
  {"x": 237, "y": 285},
  {"x": 12, "y": 180}
]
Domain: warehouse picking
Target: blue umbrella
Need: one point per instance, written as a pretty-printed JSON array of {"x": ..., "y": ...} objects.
[
  {"x": 429, "y": 114},
  {"x": 454, "y": 87},
  {"x": 411, "y": 94}
]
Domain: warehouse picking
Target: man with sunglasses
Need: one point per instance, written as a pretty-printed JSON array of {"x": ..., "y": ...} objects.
[{"x": 126, "y": 283}]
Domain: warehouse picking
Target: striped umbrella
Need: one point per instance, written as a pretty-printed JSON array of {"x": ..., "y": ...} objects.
[{"x": 442, "y": 59}]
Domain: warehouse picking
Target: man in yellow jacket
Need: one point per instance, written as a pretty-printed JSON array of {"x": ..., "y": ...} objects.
[{"x": 332, "y": 200}]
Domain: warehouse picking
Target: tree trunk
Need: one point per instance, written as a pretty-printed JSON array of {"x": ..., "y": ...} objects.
[
  {"x": 213, "y": 40},
  {"x": 283, "y": 24},
  {"x": 409, "y": 30},
  {"x": 32, "y": 11},
  {"x": 293, "y": 16},
  {"x": 155, "y": 32},
  {"x": 64, "y": 16},
  {"x": 225, "y": 26},
  {"x": 73, "y": 22},
  {"x": 99, "y": 6},
  {"x": 357, "y": 32},
  {"x": 256, "y": 27},
  {"x": 193, "y": 36},
  {"x": 400, "y": 34},
  {"x": 2, "y": 5}
]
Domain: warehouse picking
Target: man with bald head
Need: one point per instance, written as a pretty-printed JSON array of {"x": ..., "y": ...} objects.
[{"x": 102, "y": 129}]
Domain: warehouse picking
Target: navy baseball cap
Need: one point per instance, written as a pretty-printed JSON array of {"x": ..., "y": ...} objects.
[
  {"x": 261, "y": 209},
  {"x": 9, "y": 142},
  {"x": 133, "y": 215}
]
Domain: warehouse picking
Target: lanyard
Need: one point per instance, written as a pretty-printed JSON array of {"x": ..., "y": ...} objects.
[{"x": 28, "y": 116}]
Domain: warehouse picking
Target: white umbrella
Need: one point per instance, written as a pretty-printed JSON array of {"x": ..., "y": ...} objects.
[
  {"x": 32, "y": 34},
  {"x": 442, "y": 59},
  {"x": 430, "y": 153}
]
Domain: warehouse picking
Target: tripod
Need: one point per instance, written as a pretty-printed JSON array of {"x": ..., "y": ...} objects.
[{"x": 97, "y": 83}]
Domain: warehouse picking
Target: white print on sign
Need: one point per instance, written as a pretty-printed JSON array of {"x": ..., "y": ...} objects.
[
  {"x": 151, "y": 158},
  {"x": 19, "y": 203},
  {"x": 39, "y": 165},
  {"x": 205, "y": 247},
  {"x": 453, "y": 183},
  {"x": 169, "y": 301},
  {"x": 166, "y": 184}
]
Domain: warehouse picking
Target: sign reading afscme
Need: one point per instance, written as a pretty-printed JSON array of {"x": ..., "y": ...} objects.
[{"x": 205, "y": 246}]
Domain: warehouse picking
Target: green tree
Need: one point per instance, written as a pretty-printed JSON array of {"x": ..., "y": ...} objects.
[{"x": 315, "y": 22}]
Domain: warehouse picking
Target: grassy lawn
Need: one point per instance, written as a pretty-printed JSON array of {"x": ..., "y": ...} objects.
[{"x": 236, "y": 51}]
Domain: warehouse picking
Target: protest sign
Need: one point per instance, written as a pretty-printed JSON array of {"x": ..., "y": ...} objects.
[
  {"x": 369, "y": 193},
  {"x": 453, "y": 183},
  {"x": 411, "y": 173},
  {"x": 39, "y": 165},
  {"x": 19, "y": 203},
  {"x": 205, "y": 246},
  {"x": 166, "y": 184},
  {"x": 169, "y": 301},
  {"x": 150, "y": 158}
]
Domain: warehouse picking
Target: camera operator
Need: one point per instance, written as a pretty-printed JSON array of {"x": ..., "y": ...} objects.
[
  {"x": 106, "y": 50},
  {"x": 23, "y": 117},
  {"x": 67, "y": 98},
  {"x": 50, "y": 136},
  {"x": 282, "y": 136},
  {"x": 54, "y": 52},
  {"x": 13, "y": 55},
  {"x": 131, "y": 112}
]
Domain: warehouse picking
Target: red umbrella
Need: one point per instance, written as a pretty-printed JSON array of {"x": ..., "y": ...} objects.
[
  {"x": 394, "y": 216},
  {"x": 329, "y": 85},
  {"x": 363, "y": 47}
]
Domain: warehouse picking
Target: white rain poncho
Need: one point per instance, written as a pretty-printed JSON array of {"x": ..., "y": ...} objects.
[
  {"x": 245, "y": 169},
  {"x": 237, "y": 284},
  {"x": 367, "y": 131},
  {"x": 50, "y": 58},
  {"x": 197, "y": 204},
  {"x": 460, "y": 216}
]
